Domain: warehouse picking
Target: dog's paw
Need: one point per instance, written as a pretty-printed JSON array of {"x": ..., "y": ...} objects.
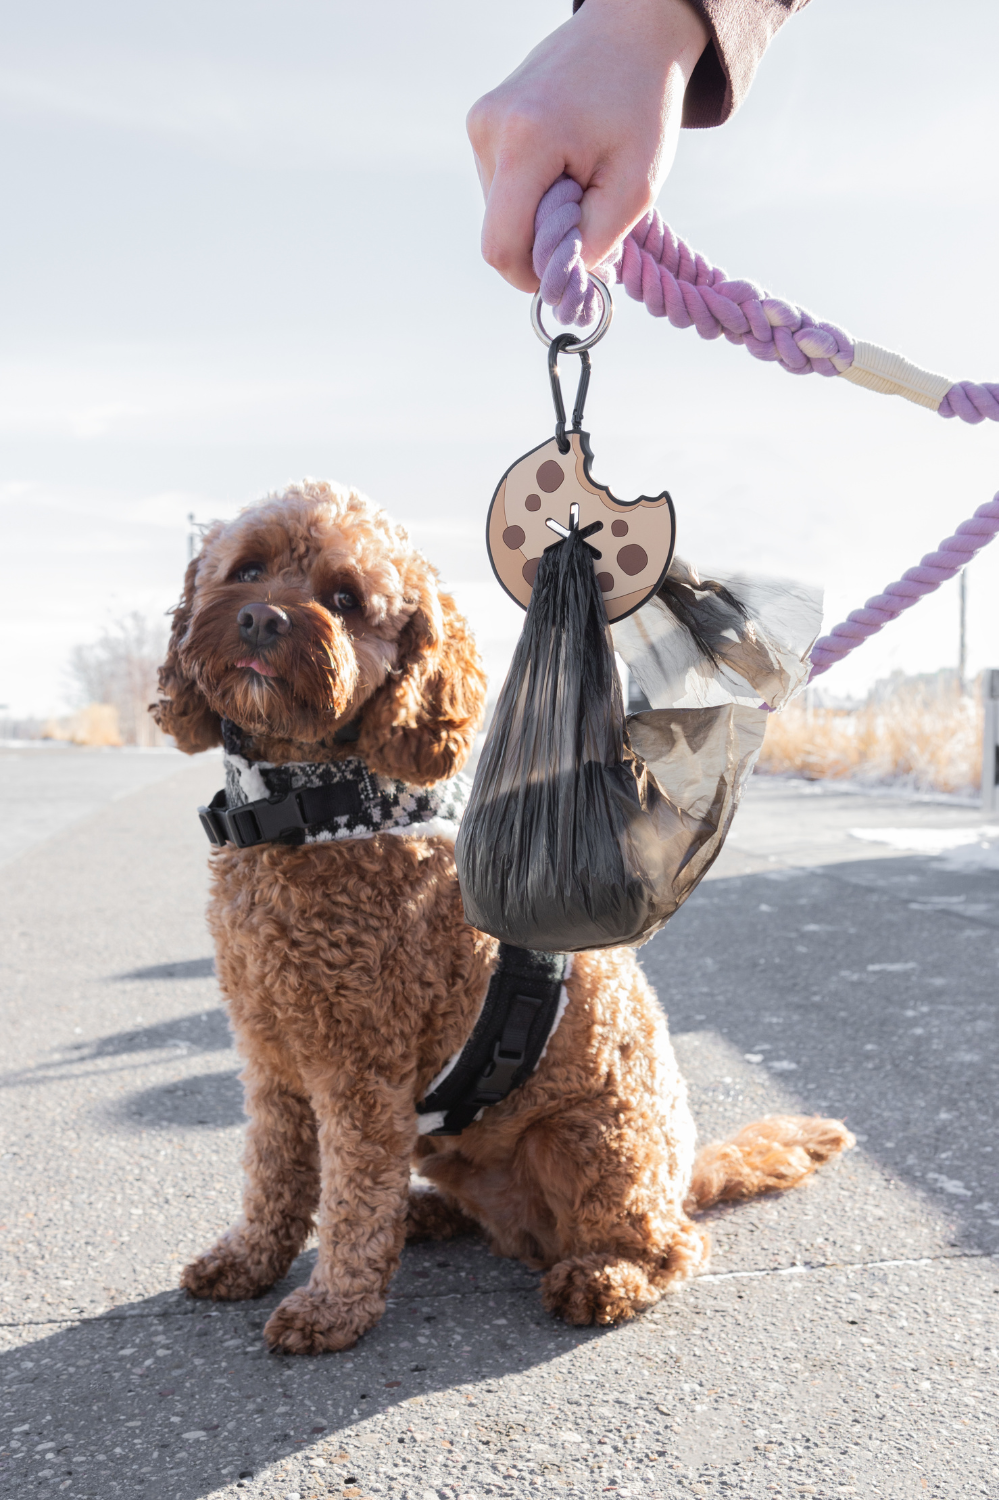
[
  {"x": 597, "y": 1289},
  {"x": 311, "y": 1321},
  {"x": 432, "y": 1216},
  {"x": 237, "y": 1267}
]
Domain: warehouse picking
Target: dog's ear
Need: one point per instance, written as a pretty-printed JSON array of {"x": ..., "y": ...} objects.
[
  {"x": 421, "y": 725},
  {"x": 182, "y": 710}
]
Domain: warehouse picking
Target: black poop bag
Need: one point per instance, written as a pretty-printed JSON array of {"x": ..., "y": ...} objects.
[{"x": 561, "y": 846}]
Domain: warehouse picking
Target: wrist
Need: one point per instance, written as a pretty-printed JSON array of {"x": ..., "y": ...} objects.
[{"x": 672, "y": 29}]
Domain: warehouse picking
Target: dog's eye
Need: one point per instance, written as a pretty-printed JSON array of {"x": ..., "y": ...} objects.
[
  {"x": 344, "y": 601},
  {"x": 249, "y": 572}
]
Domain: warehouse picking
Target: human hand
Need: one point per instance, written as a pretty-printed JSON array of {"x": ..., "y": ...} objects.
[{"x": 600, "y": 100}]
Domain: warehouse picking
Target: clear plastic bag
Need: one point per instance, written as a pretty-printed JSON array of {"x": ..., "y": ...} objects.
[{"x": 587, "y": 831}]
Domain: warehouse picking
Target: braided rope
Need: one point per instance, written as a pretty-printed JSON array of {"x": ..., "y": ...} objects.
[
  {"x": 658, "y": 268},
  {"x": 970, "y": 402},
  {"x": 674, "y": 281},
  {"x": 934, "y": 569}
]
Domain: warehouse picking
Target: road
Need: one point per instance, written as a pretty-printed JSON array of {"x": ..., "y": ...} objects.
[{"x": 844, "y": 1342}]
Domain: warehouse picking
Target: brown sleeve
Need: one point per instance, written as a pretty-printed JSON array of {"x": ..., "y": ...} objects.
[{"x": 741, "y": 31}]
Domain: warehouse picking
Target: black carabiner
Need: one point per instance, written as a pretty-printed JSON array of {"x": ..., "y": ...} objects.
[{"x": 565, "y": 341}]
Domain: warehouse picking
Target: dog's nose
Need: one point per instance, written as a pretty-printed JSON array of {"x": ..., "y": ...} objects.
[{"x": 261, "y": 624}]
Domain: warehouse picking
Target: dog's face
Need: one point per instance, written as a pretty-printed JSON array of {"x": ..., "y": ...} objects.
[{"x": 310, "y": 611}]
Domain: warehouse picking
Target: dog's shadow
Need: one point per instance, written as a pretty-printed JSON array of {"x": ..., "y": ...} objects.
[
  {"x": 210, "y": 1100},
  {"x": 193, "y": 1389},
  {"x": 863, "y": 990},
  {"x": 202, "y": 1031}
]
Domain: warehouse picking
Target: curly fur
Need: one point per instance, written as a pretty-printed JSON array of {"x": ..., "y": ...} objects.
[
  {"x": 777, "y": 1152},
  {"x": 350, "y": 975}
]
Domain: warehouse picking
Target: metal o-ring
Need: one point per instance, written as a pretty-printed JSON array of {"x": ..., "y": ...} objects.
[{"x": 591, "y": 339}]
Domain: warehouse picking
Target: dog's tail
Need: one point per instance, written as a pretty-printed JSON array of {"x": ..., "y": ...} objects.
[{"x": 770, "y": 1155}]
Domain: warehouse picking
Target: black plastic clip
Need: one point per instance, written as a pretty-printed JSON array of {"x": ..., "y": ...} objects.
[
  {"x": 509, "y": 1053},
  {"x": 567, "y": 341},
  {"x": 212, "y": 821},
  {"x": 252, "y": 823}
]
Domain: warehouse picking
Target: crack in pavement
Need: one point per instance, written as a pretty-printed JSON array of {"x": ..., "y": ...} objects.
[
  {"x": 793, "y": 1270},
  {"x": 844, "y": 1265}
]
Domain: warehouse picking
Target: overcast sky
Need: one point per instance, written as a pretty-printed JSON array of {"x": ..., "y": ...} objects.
[{"x": 241, "y": 246}]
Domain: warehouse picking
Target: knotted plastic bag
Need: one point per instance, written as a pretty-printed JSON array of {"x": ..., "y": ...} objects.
[
  {"x": 562, "y": 846},
  {"x": 587, "y": 830}
]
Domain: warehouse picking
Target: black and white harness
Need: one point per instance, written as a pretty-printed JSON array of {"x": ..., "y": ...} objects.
[
  {"x": 310, "y": 802},
  {"x": 318, "y": 802},
  {"x": 523, "y": 1005}
]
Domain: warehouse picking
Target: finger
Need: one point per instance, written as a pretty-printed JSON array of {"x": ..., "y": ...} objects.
[
  {"x": 508, "y": 226},
  {"x": 485, "y": 177},
  {"x": 479, "y": 129},
  {"x": 610, "y": 210}
]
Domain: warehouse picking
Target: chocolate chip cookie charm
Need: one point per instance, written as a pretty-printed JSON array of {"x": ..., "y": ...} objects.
[{"x": 549, "y": 490}]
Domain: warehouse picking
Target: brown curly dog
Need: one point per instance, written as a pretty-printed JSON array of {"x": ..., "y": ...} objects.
[{"x": 351, "y": 976}]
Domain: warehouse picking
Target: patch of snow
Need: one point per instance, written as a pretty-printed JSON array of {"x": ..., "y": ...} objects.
[
  {"x": 980, "y": 856},
  {"x": 963, "y": 849},
  {"x": 900, "y": 789}
]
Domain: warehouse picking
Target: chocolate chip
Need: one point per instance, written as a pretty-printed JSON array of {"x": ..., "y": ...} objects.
[
  {"x": 632, "y": 560},
  {"x": 550, "y": 475}
]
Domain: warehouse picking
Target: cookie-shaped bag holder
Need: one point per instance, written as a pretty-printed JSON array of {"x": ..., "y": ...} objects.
[
  {"x": 587, "y": 828},
  {"x": 550, "y": 490}
]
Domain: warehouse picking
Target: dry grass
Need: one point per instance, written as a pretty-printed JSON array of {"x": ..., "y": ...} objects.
[
  {"x": 921, "y": 731},
  {"x": 96, "y": 724},
  {"x": 116, "y": 674}
]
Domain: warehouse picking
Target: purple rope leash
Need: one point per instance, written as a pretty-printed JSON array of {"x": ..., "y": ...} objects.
[
  {"x": 658, "y": 268},
  {"x": 934, "y": 569}
]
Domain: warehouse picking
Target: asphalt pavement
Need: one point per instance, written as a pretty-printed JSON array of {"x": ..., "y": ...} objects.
[{"x": 845, "y": 1340}]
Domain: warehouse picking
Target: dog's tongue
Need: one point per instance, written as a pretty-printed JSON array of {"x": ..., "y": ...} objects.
[{"x": 257, "y": 665}]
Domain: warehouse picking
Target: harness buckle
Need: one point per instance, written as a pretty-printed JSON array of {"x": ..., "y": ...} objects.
[
  {"x": 495, "y": 1084},
  {"x": 252, "y": 823},
  {"x": 263, "y": 821},
  {"x": 509, "y": 1053},
  {"x": 211, "y": 820}
]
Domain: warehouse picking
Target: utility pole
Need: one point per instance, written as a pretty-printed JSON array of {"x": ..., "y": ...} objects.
[
  {"x": 990, "y": 740},
  {"x": 962, "y": 650},
  {"x": 192, "y": 539}
]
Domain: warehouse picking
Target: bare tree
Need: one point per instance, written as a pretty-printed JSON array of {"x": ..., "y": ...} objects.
[{"x": 120, "y": 669}]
